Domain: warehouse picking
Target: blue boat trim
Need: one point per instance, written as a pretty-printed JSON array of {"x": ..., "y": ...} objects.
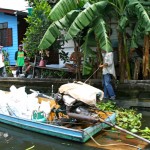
[{"x": 57, "y": 131}]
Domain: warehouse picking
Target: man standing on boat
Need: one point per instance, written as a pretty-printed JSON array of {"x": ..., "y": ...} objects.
[
  {"x": 2, "y": 64},
  {"x": 108, "y": 70}
]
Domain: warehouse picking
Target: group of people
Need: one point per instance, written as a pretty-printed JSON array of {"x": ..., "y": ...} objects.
[{"x": 24, "y": 68}]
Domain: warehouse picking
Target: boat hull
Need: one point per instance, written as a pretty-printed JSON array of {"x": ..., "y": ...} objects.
[{"x": 57, "y": 131}]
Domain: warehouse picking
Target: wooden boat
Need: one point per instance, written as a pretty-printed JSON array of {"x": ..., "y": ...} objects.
[{"x": 80, "y": 133}]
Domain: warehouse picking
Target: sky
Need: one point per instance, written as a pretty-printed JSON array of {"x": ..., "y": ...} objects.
[{"x": 20, "y": 5}]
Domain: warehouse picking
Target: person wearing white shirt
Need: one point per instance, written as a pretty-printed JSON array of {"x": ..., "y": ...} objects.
[
  {"x": 2, "y": 65},
  {"x": 108, "y": 70}
]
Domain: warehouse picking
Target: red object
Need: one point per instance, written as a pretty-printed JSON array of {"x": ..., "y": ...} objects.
[{"x": 42, "y": 63}]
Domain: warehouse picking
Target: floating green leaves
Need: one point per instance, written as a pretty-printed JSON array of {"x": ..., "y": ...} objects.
[
  {"x": 145, "y": 133},
  {"x": 109, "y": 106},
  {"x": 127, "y": 119}
]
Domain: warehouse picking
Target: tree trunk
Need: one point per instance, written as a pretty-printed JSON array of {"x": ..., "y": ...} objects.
[
  {"x": 146, "y": 61},
  {"x": 127, "y": 66},
  {"x": 78, "y": 73},
  {"x": 136, "y": 70},
  {"x": 121, "y": 55}
]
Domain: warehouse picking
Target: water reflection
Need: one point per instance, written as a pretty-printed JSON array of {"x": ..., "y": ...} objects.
[{"x": 12, "y": 138}]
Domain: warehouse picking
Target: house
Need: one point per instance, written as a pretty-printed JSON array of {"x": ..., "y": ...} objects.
[{"x": 12, "y": 30}]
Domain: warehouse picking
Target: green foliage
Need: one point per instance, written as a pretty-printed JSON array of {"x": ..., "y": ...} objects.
[
  {"x": 6, "y": 58},
  {"x": 135, "y": 10},
  {"x": 62, "y": 8},
  {"x": 53, "y": 32},
  {"x": 7, "y": 62},
  {"x": 109, "y": 106},
  {"x": 38, "y": 24},
  {"x": 64, "y": 56},
  {"x": 145, "y": 133},
  {"x": 89, "y": 54},
  {"x": 88, "y": 15},
  {"x": 101, "y": 35},
  {"x": 128, "y": 119},
  {"x": 52, "y": 74},
  {"x": 92, "y": 14}
]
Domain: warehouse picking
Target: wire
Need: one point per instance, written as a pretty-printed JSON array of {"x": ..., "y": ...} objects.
[{"x": 101, "y": 145}]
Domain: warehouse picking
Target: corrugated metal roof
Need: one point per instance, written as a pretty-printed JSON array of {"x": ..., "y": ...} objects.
[{"x": 13, "y": 12}]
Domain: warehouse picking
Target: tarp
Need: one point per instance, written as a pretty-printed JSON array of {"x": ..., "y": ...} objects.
[{"x": 81, "y": 92}]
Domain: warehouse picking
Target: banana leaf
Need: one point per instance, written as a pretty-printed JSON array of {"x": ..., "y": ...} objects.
[
  {"x": 123, "y": 22},
  {"x": 101, "y": 34},
  {"x": 88, "y": 53},
  {"x": 136, "y": 33},
  {"x": 85, "y": 18},
  {"x": 53, "y": 32},
  {"x": 136, "y": 10},
  {"x": 87, "y": 68},
  {"x": 62, "y": 8},
  {"x": 141, "y": 14}
]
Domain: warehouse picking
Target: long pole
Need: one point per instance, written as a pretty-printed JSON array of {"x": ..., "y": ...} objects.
[
  {"x": 91, "y": 75},
  {"x": 123, "y": 130}
]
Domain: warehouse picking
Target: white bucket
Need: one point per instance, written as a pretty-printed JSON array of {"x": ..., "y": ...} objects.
[{"x": 14, "y": 73}]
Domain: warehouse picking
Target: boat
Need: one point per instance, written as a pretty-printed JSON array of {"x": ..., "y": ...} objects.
[
  {"x": 58, "y": 122},
  {"x": 55, "y": 130}
]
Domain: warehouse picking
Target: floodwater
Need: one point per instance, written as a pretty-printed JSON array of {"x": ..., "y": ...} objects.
[{"x": 12, "y": 138}]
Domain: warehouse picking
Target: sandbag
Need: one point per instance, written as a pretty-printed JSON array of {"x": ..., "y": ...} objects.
[{"x": 81, "y": 92}]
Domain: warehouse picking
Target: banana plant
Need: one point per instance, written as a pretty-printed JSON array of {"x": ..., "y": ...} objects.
[
  {"x": 135, "y": 9},
  {"x": 54, "y": 30},
  {"x": 89, "y": 54},
  {"x": 90, "y": 16}
]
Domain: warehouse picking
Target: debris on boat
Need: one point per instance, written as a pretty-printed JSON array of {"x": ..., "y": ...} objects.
[{"x": 73, "y": 103}]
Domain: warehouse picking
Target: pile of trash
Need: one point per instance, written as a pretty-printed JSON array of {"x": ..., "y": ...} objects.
[
  {"x": 71, "y": 99},
  {"x": 18, "y": 103}
]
